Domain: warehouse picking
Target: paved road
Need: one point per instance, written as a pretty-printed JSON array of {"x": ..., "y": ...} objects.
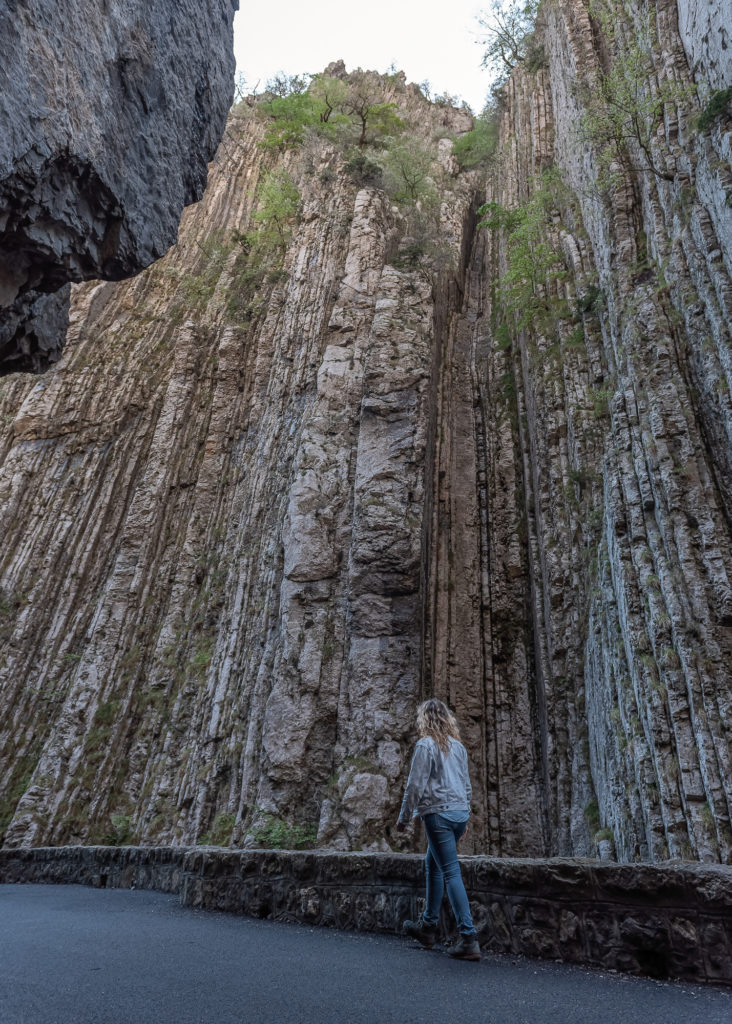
[{"x": 73, "y": 955}]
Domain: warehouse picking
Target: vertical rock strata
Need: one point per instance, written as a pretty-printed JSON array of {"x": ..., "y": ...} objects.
[
  {"x": 213, "y": 561},
  {"x": 581, "y": 563},
  {"x": 244, "y": 533},
  {"x": 624, "y": 423},
  {"x": 109, "y": 114}
]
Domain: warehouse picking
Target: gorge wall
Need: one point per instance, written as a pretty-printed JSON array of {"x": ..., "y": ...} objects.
[
  {"x": 247, "y": 526},
  {"x": 101, "y": 147}
]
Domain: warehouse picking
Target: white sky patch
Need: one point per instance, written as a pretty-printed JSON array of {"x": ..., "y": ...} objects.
[{"x": 425, "y": 39}]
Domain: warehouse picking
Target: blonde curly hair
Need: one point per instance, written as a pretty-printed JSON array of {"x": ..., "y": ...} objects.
[{"x": 436, "y": 720}]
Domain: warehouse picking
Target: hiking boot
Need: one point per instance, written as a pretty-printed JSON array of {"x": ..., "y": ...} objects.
[
  {"x": 466, "y": 948},
  {"x": 424, "y": 933}
]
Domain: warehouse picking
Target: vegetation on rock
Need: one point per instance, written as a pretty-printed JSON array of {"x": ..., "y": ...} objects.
[
  {"x": 349, "y": 108},
  {"x": 476, "y": 147},
  {"x": 629, "y": 106},
  {"x": 508, "y": 29},
  {"x": 533, "y": 263},
  {"x": 274, "y": 833},
  {"x": 718, "y": 104}
]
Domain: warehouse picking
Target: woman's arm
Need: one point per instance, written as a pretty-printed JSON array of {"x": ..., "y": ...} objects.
[{"x": 419, "y": 773}]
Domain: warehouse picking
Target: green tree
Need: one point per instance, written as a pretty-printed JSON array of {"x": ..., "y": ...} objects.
[
  {"x": 364, "y": 102},
  {"x": 287, "y": 85},
  {"x": 289, "y": 117},
  {"x": 508, "y": 29},
  {"x": 407, "y": 164},
  {"x": 329, "y": 95},
  {"x": 325, "y": 106},
  {"x": 278, "y": 206}
]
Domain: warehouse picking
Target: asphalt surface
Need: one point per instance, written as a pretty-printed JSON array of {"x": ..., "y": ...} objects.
[{"x": 73, "y": 955}]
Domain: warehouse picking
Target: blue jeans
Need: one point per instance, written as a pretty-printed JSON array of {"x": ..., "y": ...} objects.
[{"x": 443, "y": 871}]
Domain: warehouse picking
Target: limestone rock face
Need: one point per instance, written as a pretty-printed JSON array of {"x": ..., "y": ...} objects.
[
  {"x": 707, "y": 37},
  {"x": 241, "y": 643},
  {"x": 626, "y": 431},
  {"x": 248, "y": 527},
  {"x": 109, "y": 114}
]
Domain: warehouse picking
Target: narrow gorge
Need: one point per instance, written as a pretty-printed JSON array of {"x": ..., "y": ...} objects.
[{"x": 351, "y": 443}]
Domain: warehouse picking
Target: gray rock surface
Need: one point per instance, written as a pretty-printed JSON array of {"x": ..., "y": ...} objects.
[
  {"x": 705, "y": 27},
  {"x": 109, "y": 115}
]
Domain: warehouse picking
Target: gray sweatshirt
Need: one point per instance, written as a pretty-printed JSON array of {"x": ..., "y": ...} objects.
[{"x": 437, "y": 782}]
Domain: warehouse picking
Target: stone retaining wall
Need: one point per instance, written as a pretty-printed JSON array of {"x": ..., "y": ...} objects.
[{"x": 669, "y": 921}]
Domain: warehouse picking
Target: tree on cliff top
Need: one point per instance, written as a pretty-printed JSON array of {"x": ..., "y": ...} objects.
[
  {"x": 328, "y": 105},
  {"x": 508, "y": 33},
  {"x": 364, "y": 101}
]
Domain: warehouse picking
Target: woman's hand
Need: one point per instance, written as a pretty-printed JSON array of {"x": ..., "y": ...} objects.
[
  {"x": 463, "y": 835},
  {"x": 401, "y": 827}
]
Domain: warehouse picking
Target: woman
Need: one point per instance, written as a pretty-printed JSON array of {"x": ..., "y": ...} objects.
[{"x": 438, "y": 791}]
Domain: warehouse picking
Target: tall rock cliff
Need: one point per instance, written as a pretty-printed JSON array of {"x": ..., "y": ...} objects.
[
  {"x": 254, "y": 515},
  {"x": 109, "y": 114}
]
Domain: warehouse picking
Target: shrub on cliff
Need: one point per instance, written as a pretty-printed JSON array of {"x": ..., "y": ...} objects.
[
  {"x": 363, "y": 170},
  {"x": 220, "y": 832},
  {"x": 407, "y": 165},
  {"x": 273, "y": 833},
  {"x": 278, "y": 207},
  {"x": 719, "y": 104},
  {"x": 120, "y": 831},
  {"x": 531, "y": 262},
  {"x": 263, "y": 248},
  {"x": 476, "y": 147}
]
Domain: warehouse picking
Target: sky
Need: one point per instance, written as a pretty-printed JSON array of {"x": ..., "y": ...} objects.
[{"x": 436, "y": 41}]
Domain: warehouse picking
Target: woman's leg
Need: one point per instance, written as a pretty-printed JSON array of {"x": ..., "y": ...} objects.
[
  {"x": 442, "y": 842},
  {"x": 435, "y": 889}
]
